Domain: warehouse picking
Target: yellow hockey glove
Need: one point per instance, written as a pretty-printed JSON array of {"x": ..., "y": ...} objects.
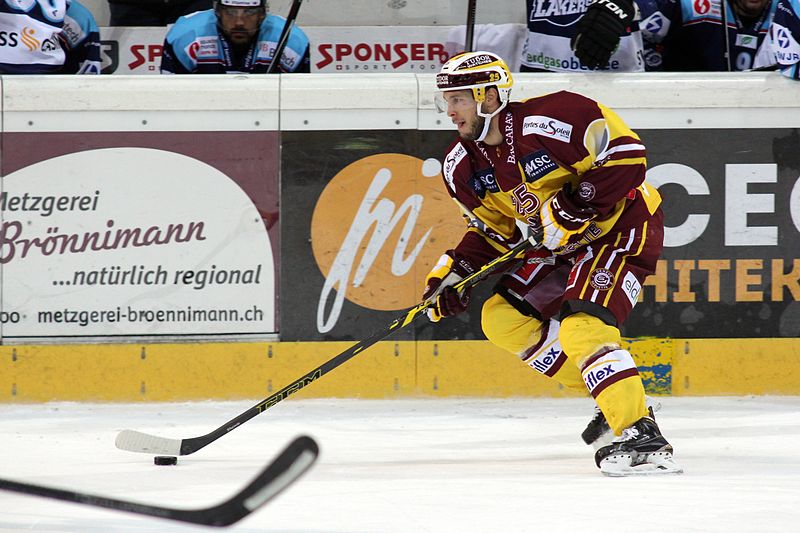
[{"x": 563, "y": 221}]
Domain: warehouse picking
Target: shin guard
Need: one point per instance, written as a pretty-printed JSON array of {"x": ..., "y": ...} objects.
[{"x": 613, "y": 380}]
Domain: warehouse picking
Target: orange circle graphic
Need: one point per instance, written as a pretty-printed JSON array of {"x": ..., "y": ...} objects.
[{"x": 379, "y": 227}]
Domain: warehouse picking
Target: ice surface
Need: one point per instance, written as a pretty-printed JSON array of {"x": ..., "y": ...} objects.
[{"x": 408, "y": 466}]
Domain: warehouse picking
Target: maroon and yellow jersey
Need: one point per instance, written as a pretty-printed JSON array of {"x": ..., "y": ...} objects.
[{"x": 549, "y": 142}]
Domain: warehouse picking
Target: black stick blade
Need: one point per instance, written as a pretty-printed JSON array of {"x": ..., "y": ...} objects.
[{"x": 281, "y": 472}]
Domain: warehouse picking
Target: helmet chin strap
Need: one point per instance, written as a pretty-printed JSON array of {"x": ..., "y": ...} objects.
[{"x": 487, "y": 119}]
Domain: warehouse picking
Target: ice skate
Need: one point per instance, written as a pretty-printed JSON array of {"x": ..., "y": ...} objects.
[
  {"x": 640, "y": 450},
  {"x": 599, "y": 434}
]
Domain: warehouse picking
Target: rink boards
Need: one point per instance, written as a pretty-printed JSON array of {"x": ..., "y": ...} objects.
[
  {"x": 213, "y": 237},
  {"x": 177, "y": 372}
]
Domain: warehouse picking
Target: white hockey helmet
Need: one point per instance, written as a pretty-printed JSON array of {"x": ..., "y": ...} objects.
[
  {"x": 477, "y": 71},
  {"x": 242, "y": 3}
]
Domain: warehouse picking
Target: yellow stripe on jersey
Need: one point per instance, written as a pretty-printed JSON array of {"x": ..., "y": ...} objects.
[
  {"x": 625, "y": 259},
  {"x": 616, "y": 125},
  {"x": 600, "y": 134},
  {"x": 651, "y": 196},
  {"x": 594, "y": 266},
  {"x": 629, "y": 161}
]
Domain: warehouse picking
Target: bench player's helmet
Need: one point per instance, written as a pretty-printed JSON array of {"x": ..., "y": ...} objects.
[
  {"x": 475, "y": 71},
  {"x": 242, "y": 3}
]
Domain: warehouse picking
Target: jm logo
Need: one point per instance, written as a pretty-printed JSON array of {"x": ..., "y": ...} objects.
[{"x": 380, "y": 216}]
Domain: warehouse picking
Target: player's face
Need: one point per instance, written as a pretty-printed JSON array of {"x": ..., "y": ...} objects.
[
  {"x": 240, "y": 24},
  {"x": 462, "y": 110},
  {"x": 751, "y": 8}
]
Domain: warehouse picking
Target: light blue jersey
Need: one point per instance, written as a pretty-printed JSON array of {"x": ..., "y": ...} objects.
[{"x": 195, "y": 45}]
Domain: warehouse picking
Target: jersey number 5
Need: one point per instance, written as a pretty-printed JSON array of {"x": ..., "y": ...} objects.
[{"x": 525, "y": 202}]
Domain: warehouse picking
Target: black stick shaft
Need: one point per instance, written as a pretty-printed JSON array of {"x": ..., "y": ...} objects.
[
  {"x": 191, "y": 445},
  {"x": 292, "y": 462},
  {"x": 287, "y": 30},
  {"x": 468, "y": 42}
]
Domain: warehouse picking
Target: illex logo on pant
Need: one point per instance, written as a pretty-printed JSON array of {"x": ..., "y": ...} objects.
[{"x": 377, "y": 229}]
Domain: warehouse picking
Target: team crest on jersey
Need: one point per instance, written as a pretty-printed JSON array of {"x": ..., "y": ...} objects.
[
  {"x": 547, "y": 127},
  {"x": 537, "y": 164},
  {"x": 484, "y": 180},
  {"x": 451, "y": 161},
  {"x": 586, "y": 191},
  {"x": 601, "y": 279}
]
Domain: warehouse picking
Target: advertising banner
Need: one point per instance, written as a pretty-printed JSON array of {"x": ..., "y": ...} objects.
[
  {"x": 368, "y": 213},
  {"x": 419, "y": 49},
  {"x": 333, "y": 49},
  {"x": 731, "y": 263},
  {"x": 180, "y": 238},
  {"x": 369, "y": 210},
  {"x": 125, "y": 50}
]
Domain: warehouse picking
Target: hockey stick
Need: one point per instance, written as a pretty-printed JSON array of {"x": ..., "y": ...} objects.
[
  {"x": 287, "y": 30},
  {"x": 135, "y": 441},
  {"x": 470, "y": 30},
  {"x": 285, "y": 469}
]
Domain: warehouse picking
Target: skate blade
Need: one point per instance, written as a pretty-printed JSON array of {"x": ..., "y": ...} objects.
[{"x": 654, "y": 464}]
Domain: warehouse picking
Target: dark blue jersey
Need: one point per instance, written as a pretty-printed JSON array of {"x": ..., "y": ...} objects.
[
  {"x": 80, "y": 39},
  {"x": 688, "y": 35}
]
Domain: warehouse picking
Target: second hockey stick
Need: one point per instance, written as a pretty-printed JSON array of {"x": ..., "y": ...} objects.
[
  {"x": 136, "y": 441},
  {"x": 469, "y": 41},
  {"x": 290, "y": 464},
  {"x": 287, "y": 31}
]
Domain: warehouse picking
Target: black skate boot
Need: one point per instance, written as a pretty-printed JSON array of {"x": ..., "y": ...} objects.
[
  {"x": 640, "y": 450},
  {"x": 599, "y": 434}
]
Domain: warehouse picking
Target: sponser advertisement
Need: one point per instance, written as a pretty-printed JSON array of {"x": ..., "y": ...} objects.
[
  {"x": 368, "y": 211},
  {"x": 138, "y": 235}
]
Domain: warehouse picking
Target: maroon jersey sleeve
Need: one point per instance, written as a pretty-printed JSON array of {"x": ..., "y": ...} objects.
[
  {"x": 489, "y": 233},
  {"x": 594, "y": 143}
]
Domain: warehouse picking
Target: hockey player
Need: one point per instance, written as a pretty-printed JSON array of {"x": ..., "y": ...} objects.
[
  {"x": 570, "y": 170},
  {"x": 53, "y": 37},
  {"x": 686, "y": 35},
  {"x": 582, "y": 36},
  {"x": 29, "y": 43},
  {"x": 237, "y": 36},
  {"x": 80, "y": 39}
]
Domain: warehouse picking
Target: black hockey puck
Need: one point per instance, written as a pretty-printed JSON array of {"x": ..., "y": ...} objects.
[{"x": 165, "y": 460}]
